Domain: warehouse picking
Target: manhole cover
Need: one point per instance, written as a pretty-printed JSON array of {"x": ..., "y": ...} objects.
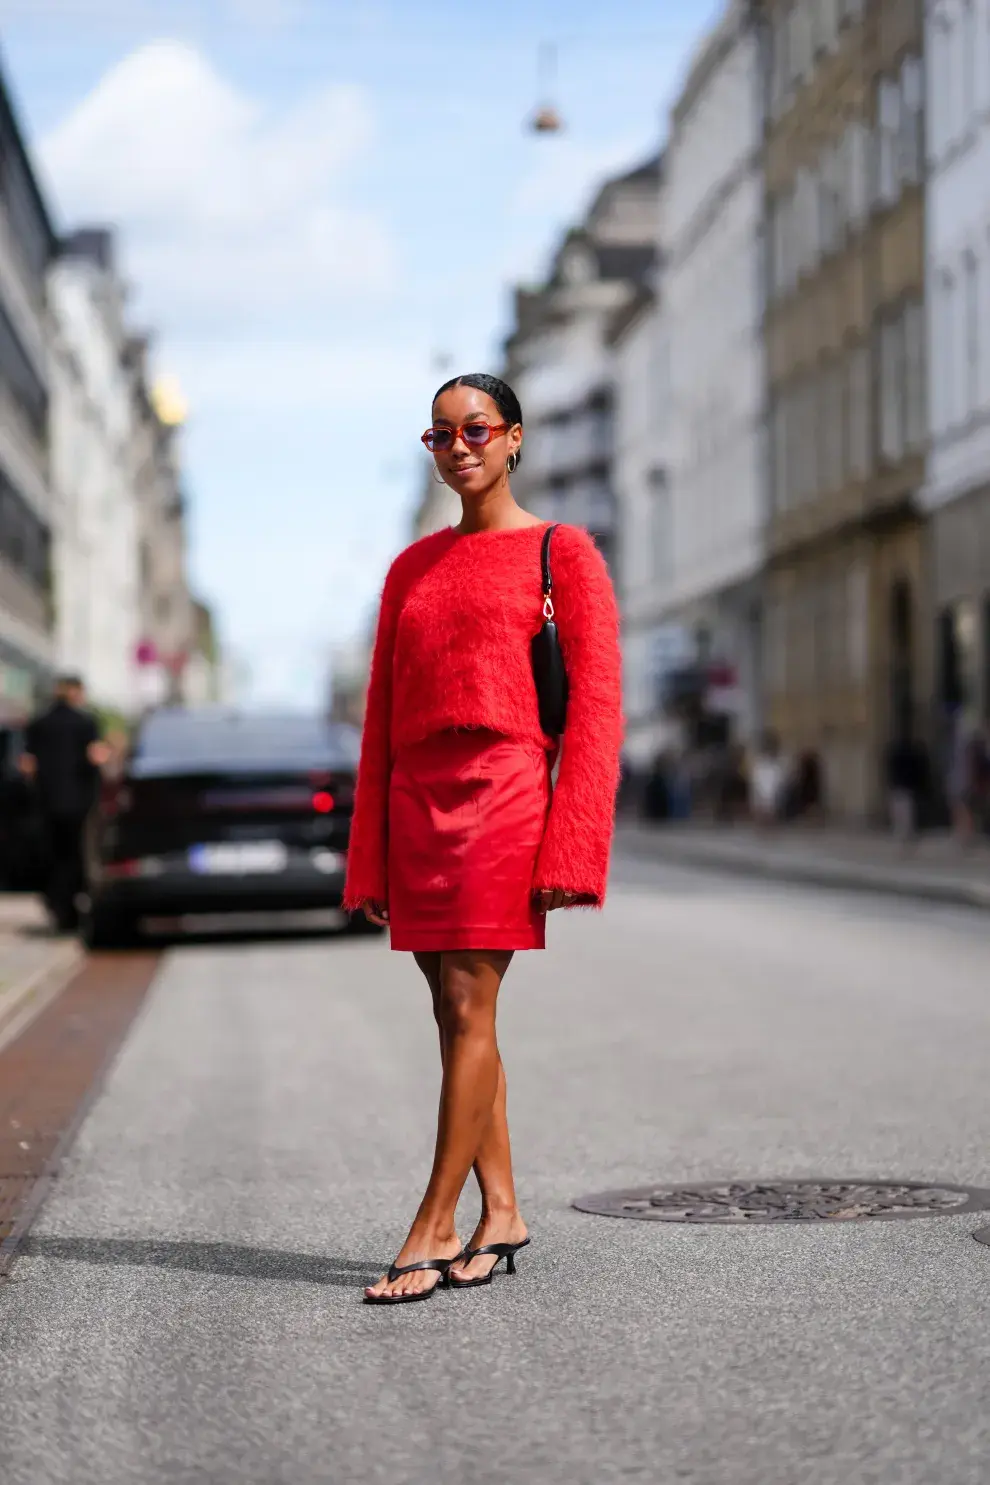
[
  {"x": 786, "y": 1201},
  {"x": 983, "y": 1236}
]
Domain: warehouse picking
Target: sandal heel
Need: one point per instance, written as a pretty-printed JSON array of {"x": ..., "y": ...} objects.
[{"x": 507, "y": 1251}]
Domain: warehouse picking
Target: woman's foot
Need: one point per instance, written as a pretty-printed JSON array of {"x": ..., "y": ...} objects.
[
  {"x": 494, "y": 1227},
  {"x": 421, "y": 1244}
]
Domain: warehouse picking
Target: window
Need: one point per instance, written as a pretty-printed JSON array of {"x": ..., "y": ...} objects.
[
  {"x": 799, "y": 42},
  {"x": 967, "y": 63},
  {"x": 915, "y": 374},
  {"x": 832, "y": 440},
  {"x": 945, "y": 352},
  {"x": 938, "y": 60},
  {"x": 857, "y": 620},
  {"x": 779, "y": 62},
  {"x": 830, "y": 207},
  {"x": 911, "y": 138},
  {"x": 892, "y": 388},
  {"x": 888, "y": 122},
  {"x": 828, "y": 23},
  {"x": 971, "y": 313},
  {"x": 858, "y": 408},
  {"x": 25, "y": 542},
  {"x": 856, "y": 159}
]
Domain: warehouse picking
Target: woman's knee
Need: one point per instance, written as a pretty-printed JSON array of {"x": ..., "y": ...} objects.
[{"x": 464, "y": 1005}]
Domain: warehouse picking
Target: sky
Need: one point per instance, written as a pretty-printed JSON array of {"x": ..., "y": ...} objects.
[{"x": 318, "y": 203}]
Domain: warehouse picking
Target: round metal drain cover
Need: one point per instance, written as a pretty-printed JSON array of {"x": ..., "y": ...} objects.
[
  {"x": 745, "y": 1202},
  {"x": 983, "y": 1236}
]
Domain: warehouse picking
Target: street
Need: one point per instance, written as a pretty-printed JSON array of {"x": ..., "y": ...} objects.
[{"x": 189, "y": 1308}]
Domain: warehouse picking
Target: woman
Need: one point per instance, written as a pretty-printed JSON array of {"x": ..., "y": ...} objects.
[{"x": 459, "y": 843}]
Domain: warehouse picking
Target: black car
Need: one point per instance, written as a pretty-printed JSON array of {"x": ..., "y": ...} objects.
[{"x": 220, "y": 811}]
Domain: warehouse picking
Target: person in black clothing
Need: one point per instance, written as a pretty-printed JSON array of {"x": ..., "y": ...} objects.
[
  {"x": 62, "y": 756},
  {"x": 907, "y": 779}
]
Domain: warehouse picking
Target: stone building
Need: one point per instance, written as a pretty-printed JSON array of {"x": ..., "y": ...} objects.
[
  {"x": 957, "y": 492},
  {"x": 27, "y": 246},
  {"x": 711, "y": 227},
  {"x": 558, "y": 356},
  {"x": 640, "y": 371},
  {"x": 847, "y": 656},
  {"x": 168, "y": 619},
  {"x": 96, "y": 567}
]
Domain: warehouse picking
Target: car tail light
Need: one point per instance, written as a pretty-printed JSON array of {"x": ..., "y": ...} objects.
[
  {"x": 322, "y": 802},
  {"x": 140, "y": 866}
]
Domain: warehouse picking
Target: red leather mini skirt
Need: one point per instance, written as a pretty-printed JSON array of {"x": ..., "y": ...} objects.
[{"x": 466, "y": 816}]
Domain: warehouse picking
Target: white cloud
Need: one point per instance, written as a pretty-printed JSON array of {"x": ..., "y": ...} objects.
[{"x": 231, "y": 213}]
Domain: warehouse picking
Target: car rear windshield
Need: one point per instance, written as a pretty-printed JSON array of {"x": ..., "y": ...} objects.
[{"x": 186, "y": 740}]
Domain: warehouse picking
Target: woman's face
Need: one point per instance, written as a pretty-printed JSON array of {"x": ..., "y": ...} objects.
[{"x": 469, "y": 467}]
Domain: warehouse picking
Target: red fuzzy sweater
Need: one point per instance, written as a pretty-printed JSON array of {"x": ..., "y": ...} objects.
[{"x": 453, "y": 650}]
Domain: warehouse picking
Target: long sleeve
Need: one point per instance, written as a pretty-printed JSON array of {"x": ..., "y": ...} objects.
[
  {"x": 577, "y": 844},
  {"x": 367, "y": 855}
]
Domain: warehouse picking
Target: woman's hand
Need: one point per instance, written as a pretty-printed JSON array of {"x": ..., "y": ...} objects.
[
  {"x": 548, "y": 901},
  {"x": 375, "y": 912}
]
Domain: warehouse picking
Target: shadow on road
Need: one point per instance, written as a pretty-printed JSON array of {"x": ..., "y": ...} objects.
[{"x": 232, "y": 1260}]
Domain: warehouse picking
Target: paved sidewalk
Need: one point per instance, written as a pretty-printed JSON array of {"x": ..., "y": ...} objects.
[
  {"x": 34, "y": 964},
  {"x": 935, "y": 867}
]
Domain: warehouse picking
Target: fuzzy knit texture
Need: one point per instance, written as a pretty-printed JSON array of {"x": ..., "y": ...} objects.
[{"x": 457, "y": 617}]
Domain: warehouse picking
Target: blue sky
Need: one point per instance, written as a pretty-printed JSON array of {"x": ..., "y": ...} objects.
[{"x": 315, "y": 200}]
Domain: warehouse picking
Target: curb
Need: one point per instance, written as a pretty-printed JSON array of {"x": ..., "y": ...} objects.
[
  {"x": 809, "y": 871},
  {"x": 28, "y": 998}
]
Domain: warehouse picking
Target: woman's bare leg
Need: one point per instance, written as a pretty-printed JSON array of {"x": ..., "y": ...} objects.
[{"x": 469, "y": 985}]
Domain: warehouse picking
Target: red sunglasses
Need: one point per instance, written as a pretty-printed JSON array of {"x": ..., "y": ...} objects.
[{"x": 475, "y": 435}]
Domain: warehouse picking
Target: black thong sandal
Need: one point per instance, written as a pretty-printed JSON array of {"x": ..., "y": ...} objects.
[
  {"x": 507, "y": 1251},
  {"x": 442, "y": 1266}
]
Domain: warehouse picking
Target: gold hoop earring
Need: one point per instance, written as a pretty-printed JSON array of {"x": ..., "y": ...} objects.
[
  {"x": 441, "y": 480},
  {"x": 512, "y": 463}
]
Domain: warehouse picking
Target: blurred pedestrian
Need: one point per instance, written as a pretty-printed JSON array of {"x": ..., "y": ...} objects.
[
  {"x": 733, "y": 786},
  {"x": 969, "y": 780},
  {"x": 62, "y": 756},
  {"x": 657, "y": 789},
  {"x": 767, "y": 782},
  {"x": 460, "y": 842},
  {"x": 906, "y": 769},
  {"x": 809, "y": 793}
]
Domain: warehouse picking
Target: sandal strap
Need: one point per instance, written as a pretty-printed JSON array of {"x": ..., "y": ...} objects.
[
  {"x": 500, "y": 1250},
  {"x": 440, "y": 1264}
]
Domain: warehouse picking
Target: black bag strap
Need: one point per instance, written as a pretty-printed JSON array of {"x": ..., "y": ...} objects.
[{"x": 545, "y": 561}]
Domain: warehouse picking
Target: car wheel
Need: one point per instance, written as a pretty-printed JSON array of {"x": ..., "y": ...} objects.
[
  {"x": 103, "y": 928},
  {"x": 359, "y": 924}
]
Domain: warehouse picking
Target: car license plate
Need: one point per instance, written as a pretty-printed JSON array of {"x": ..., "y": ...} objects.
[{"x": 240, "y": 859}]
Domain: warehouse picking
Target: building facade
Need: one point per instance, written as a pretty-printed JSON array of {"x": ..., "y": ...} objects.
[
  {"x": 27, "y": 246},
  {"x": 97, "y": 580},
  {"x": 168, "y": 619},
  {"x": 558, "y": 356},
  {"x": 640, "y": 372},
  {"x": 847, "y": 656},
  {"x": 957, "y": 493},
  {"x": 711, "y": 225}
]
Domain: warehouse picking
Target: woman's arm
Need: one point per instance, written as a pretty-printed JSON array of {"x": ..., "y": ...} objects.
[
  {"x": 575, "y": 853},
  {"x": 367, "y": 855}
]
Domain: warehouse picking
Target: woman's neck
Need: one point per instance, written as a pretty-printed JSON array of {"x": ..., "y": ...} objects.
[{"x": 498, "y": 513}]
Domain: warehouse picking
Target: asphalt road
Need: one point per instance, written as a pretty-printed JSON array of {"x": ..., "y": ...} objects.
[{"x": 190, "y": 1309}]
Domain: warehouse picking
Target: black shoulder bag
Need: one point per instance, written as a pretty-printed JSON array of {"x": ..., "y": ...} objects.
[{"x": 548, "y": 662}]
